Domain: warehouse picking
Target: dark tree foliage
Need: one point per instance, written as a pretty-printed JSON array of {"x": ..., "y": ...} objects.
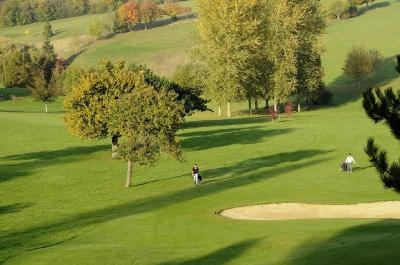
[
  {"x": 398, "y": 63},
  {"x": 19, "y": 12},
  {"x": 190, "y": 96},
  {"x": 384, "y": 107},
  {"x": 47, "y": 30},
  {"x": 44, "y": 77}
]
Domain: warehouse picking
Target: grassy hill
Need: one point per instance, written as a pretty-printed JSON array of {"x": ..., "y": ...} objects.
[{"x": 62, "y": 199}]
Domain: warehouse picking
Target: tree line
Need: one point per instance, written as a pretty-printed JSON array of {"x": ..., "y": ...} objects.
[
  {"x": 259, "y": 50},
  {"x": 20, "y": 12},
  {"x": 342, "y": 9},
  {"x": 129, "y": 15}
]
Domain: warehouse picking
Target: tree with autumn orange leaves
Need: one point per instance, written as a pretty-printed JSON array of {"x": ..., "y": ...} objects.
[
  {"x": 172, "y": 9},
  {"x": 149, "y": 11},
  {"x": 128, "y": 15}
]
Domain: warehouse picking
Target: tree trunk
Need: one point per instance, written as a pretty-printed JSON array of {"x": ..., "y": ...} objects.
[
  {"x": 129, "y": 174},
  {"x": 298, "y": 107},
  {"x": 249, "y": 100},
  {"x": 256, "y": 105},
  {"x": 145, "y": 26},
  {"x": 45, "y": 106},
  {"x": 219, "y": 110},
  {"x": 114, "y": 147},
  {"x": 266, "y": 104},
  {"x": 229, "y": 109},
  {"x": 275, "y": 106}
]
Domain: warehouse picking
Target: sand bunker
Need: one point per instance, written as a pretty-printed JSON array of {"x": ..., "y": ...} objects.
[{"x": 296, "y": 211}]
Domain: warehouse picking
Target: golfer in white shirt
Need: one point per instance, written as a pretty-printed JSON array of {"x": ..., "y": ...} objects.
[{"x": 349, "y": 163}]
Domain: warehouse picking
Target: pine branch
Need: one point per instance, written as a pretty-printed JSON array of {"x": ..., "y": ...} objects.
[{"x": 385, "y": 106}]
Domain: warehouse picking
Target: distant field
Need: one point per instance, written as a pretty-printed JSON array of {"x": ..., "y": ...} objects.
[
  {"x": 63, "y": 28},
  {"x": 162, "y": 49}
]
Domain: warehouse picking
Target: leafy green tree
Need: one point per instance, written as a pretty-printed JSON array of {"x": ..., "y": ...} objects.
[
  {"x": 361, "y": 62},
  {"x": 148, "y": 120},
  {"x": 338, "y": 7},
  {"x": 9, "y": 13},
  {"x": 78, "y": 7},
  {"x": 249, "y": 48},
  {"x": 282, "y": 43},
  {"x": 94, "y": 89},
  {"x": 95, "y": 29},
  {"x": 188, "y": 95},
  {"x": 189, "y": 75},
  {"x": 230, "y": 41},
  {"x": 15, "y": 64},
  {"x": 26, "y": 14},
  {"x": 310, "y": 73},
  {"x": 45, "y": 10}
]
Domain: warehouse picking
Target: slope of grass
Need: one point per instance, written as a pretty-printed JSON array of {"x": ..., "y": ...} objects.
[
  {"x": 62, "y": 28},
  {"x": 62, "y": 199},
  {"x": 162, "y": 49}
]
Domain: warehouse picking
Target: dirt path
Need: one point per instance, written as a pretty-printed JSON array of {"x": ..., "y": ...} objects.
[{"x": 295, "y": 211}]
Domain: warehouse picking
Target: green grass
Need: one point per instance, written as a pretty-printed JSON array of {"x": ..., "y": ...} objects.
[
  {"x": 63, "y": 28},
  {"x": 162, "y": 48},
  {"x": 62, "y": 199}
]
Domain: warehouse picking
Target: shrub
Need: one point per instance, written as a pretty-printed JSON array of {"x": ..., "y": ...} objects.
[
  {"x": 324, "y": 96},
  {"x": 15, "y": 64}
]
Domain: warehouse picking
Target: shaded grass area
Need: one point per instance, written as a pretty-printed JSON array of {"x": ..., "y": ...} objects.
[{"x": 368, "y": 244}]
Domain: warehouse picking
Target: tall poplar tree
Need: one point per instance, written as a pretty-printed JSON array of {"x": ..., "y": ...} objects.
[
  {"x": 308, "y": 55},
  {"x": 250, "y": 48},
  {"x": 229, "y": 41}
]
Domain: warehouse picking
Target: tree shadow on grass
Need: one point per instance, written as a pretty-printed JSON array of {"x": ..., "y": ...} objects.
[
  {"x": 224, "y": 122},
  {"x": 369, "y": 244},
  {"x": 33, "y": 161},
  {"x": 258, "y": 170},
  {"x": 225, "y": 137},
  {"x": 356, "y": 169},
  {"x": 164, "y": 22},
  {"x": 263, "y": 162},
  {"x": 374, "y": 6},
  {"x": 13, "y": 208},
  {"x": 346, "y": 90},
  {"x": 220, "y": 256}
]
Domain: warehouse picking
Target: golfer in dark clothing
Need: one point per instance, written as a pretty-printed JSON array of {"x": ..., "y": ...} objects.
[{"x": 196, "y": 174}]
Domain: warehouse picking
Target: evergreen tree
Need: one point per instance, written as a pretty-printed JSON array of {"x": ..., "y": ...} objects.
[
  {"x": 44, "y": 78},
  {"x": 47, "y": 30},
  {"x": 384, "y": 107},
  {"x": 47, "y": 46}
]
